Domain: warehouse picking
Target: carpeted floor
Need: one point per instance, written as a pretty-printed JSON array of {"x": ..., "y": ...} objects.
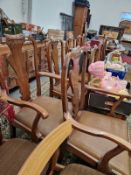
[{"x": 44, "y": 88}]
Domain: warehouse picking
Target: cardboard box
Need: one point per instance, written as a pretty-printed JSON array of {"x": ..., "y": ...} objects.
[{"x": 56, "y": 34}]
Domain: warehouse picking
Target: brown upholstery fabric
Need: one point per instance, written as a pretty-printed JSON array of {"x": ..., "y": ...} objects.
[
  {"x": 13, "y": 154},
  {"x": 54, "y": 108},
  {"x": 96, "y": 146},
  {"x": 76, "y": 169}
]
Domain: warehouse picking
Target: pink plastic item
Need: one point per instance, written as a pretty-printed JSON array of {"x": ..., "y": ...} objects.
[
  {"x": 113, "y": 84},
  {"x": 97, "y": 69},
  {"x": 86, "y": 46}
]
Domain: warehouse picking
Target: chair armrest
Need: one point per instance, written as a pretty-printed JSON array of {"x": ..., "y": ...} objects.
[
  {"x": 128, "y": 96},
  {"x": 95, "y": 132},
  {"x": 51, "y": 75},
  {"x": 23, "y": 103}
]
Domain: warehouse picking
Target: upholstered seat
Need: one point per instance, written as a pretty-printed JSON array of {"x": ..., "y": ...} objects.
[
  {"x": 46, "y": 149},
  {"x": 77, "y": 169},
  {"x": 54, "y": 108},
  {"x": 48, "y": 146},
  {"x": 13, "y": 154},
  {"x": 88, "y": 146}
]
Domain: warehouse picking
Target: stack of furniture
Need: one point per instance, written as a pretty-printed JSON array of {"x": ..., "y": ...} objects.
[
  {"x": 41, "y": 115},
  {"x": 81, "y": 17}
]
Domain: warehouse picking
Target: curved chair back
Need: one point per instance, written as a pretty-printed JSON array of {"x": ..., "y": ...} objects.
[{"x": 73, "y": 79}]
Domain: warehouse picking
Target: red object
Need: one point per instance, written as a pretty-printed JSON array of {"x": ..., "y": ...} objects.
[
  {"x": 126, "y": 59},
  {"x": 95, "y": 42},
  {"x": 7, "y": 110},
  {"x": 10, "y": 113}
]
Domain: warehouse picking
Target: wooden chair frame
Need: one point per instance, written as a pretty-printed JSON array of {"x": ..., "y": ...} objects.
[
  {"x": 19, "y": 68},
  {"x": 54, "y": 64},
  {"x": 103, "y": 164},
  {"x": 45, "y": 150}
]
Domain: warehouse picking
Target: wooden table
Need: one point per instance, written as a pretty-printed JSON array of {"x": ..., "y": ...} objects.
[
  {"x": 107, "y": 101},
  {"x": 28, "y": 48},
  {"x": 4, "y": 49}
]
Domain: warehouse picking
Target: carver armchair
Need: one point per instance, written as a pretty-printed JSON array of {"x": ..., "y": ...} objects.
[
  {"x": 48, "y": 148},
  {"x": 55, "y": 58},
  {"x": 38, "y": 115},
  {"x": 55, "y": 64},
  {"x": 106, "y": 154}
]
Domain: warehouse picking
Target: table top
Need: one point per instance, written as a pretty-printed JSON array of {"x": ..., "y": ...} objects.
[
  {"x": 126, "y": 41},
  {"x": 90, "y": 87}
]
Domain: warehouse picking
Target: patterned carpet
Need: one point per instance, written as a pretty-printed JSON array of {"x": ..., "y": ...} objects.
[{"x": 44, "y": 88}]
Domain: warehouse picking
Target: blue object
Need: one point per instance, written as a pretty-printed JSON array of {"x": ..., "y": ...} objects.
[
  {"x": 1, "y": 30},
  {"x": 126, "y": 16},
  {"x": 120, "y": 74}
]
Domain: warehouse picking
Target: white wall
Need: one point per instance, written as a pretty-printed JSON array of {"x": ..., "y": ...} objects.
[
  {"x": 107, "y": 12},
  {"x": 12, "y": 8},
  {"x": 46, "y": 12}
]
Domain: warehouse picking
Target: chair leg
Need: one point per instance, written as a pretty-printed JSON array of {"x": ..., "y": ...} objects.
[
  {"x": 12, "y": 131},
  {"x": 35, "y": 138},
  {"x": 51, "y": 93},
  {"x": 62, "y": 152},
  {"x": 53, "y": 163}
]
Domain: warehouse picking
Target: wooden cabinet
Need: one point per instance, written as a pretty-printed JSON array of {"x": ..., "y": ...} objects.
[{"x": 80, "y": 18}]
